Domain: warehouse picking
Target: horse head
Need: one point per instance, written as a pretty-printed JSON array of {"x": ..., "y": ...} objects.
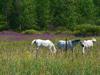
[
  {"x": 34, "y": 41},
  {"x": 93, "y": 39}
]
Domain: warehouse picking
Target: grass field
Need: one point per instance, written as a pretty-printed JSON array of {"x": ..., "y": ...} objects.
[{"x": 18, "y": 58}]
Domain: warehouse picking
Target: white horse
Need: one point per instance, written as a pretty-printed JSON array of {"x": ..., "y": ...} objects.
[
  {"x": 70, "y": 44},
  {"x": 87, "y": 44},
  {"x": 45, "y": 43}
]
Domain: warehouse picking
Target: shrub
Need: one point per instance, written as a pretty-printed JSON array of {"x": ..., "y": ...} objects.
[
  {"x": 31, "y": 31},
  {"x": 3, "y": 26},
  {"x": 87, "y": 29},
  {"x": 97, "y": 22}
]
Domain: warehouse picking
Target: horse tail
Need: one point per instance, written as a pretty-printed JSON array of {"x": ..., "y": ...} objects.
[{"x": 34, "y": 41}]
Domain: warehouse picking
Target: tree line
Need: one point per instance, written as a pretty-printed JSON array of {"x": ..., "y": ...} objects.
[{"x": 44, "y": 15}]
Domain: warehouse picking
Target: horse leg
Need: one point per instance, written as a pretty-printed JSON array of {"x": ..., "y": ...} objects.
[
  {"x": 88, "y": 50},
  {"x": 72, "y": 58},
  {"x": 83, "y": 50},
  {"x": 72, "y": 50},
  {"x": 54, "y": 49},
  {"x": 50, "y": 49},
  {"x": 37, "y": 50},
  {"x": 62, "y": 50}
]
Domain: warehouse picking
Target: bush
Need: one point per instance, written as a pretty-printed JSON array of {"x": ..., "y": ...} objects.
[
  {"x": 98, "y": 22},
  {"x": 63, "y": 32},
  {"x": 3, "y": 26},
  {"x": 87, "y": 29},
  {"x": 31, "y": 31}
]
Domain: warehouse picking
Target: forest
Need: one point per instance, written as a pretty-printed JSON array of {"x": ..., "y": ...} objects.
[{"x": 75, "y": 16}]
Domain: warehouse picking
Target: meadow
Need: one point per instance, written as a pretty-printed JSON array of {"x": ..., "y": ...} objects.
[{"x": 17, "y": 57}]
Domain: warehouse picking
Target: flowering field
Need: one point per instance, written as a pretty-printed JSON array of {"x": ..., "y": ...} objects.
[{"x": 17, "y": 57}]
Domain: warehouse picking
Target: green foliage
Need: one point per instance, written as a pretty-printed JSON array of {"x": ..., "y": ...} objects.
[
  {"x": 87, "y": 11},
  {"x": 27, "y": 15},
  {"x": 48, "y": 15},
  {"x": 87, "y": 29},
  {"x": 98, "y": 22},
  {"x": 31, "y": 31},
  {"x": 3, "y": 26},
  {"x": 3, "y": 23}
]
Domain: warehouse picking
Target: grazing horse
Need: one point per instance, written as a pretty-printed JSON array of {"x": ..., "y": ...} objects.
[
  {"x": 45, "y": 43},
  {"x": 70, "y": 44},
  {"x": 87, "y": 44}
]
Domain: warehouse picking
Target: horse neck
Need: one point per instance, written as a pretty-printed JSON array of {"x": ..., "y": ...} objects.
[
  {"x": 93, "y": 41},
  {"x": 75, "y": 42}
]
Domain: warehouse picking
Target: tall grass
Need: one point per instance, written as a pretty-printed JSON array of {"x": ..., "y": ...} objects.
[{"x": 18, "y": 58}]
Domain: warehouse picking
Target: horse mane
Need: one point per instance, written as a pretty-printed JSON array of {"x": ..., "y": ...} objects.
[{"x": 77, "y": 40}]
